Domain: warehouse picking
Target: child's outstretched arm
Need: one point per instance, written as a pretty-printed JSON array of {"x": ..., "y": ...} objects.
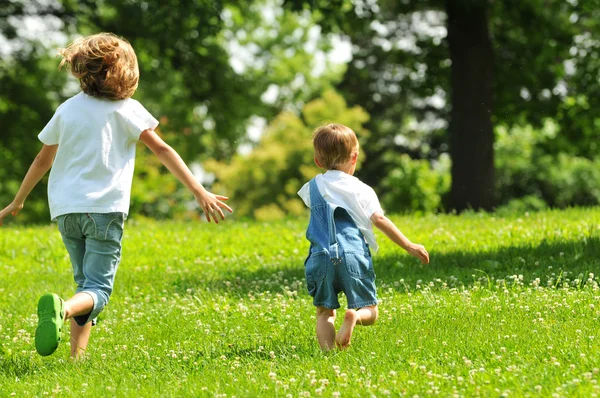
[
  {"x": 40, "y": 166},
  {"x": 210, "y": 203},
  {"x": 387, "y": 227}
]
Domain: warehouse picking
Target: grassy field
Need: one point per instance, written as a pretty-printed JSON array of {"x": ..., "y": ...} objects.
[{"x": 508, "y": 307}]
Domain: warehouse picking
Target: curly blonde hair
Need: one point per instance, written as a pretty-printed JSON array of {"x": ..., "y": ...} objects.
[{"x": 105, "y": 65}]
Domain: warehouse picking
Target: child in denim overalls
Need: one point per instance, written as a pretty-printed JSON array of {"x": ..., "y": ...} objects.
[
  {"x": 90, "y": 145},
  {"x": 342, "y": 211}
]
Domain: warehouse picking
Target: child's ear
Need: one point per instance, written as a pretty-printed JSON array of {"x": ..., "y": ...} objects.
[
  {"x": 354, "y": 157},
  {"x": 317, "y": 163}
]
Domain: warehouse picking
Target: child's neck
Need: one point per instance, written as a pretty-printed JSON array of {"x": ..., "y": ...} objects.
[{"x": 348, "y": 169}]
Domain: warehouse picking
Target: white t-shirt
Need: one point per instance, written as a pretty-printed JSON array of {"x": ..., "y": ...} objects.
[
  {"x": 93, "y": 167},
  {"x": 344, "y": 190}
]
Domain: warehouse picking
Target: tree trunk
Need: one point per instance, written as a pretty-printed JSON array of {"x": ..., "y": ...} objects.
[{"x": 471, "y": 132}]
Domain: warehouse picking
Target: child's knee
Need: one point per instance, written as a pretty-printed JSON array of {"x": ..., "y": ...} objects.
[
  {"x": 323, "y": 312},
  {"x": 374, "y": 314}
]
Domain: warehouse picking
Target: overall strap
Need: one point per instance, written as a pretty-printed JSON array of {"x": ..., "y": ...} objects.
[
  {"x": 316, "y": 199},
  {"x": 334, "y": 252},
  {"x": 315, "y": 196}
]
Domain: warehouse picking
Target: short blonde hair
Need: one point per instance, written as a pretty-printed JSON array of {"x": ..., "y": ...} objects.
[
  {"x": 105, "y": 65},
  {"x": 334, "y": 145}
]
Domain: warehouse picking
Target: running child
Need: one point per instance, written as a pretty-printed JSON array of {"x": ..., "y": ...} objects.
[
  {"x": 90, "y": 145},
  {"x": 342, "y": 212}
]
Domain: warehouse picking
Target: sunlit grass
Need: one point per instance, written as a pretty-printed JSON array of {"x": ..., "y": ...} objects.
[{"x": 508, "y": 306}]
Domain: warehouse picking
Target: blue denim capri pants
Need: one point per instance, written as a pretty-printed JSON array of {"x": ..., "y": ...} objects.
[{"x": 93, "y": 241}]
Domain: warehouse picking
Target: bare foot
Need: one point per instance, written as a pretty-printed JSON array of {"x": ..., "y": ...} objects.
[{"x": 342, "y": 339}]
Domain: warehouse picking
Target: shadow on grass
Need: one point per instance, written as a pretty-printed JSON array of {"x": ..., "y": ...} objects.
[{"x": 560, "y": 262}]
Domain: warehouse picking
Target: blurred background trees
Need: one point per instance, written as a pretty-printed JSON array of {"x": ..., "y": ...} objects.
[{"x": 458, "y": 103}]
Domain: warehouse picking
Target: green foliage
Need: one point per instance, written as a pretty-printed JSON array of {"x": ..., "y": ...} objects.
[
  {"x": 570, "y": 180},
  {"x": 522, "y": 205},
  {"x": 283, "y": 51},
  {"x": 29, "y": 87},
  {"x": 156, "y": 193},
  {"x": 527, "y": 177},
  {"x": 524, "y": 169},
  {"x": 508, "y": 306},
  {"x": 415, "y": 185},
  {"x": 514, "y": 156},
  {"x": 264, "y": 183}
]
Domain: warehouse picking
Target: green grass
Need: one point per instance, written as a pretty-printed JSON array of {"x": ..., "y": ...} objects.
[{"x": 508, "y": 306}]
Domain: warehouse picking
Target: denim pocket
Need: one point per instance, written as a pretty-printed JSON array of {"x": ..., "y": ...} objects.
[
  {"x": 114, "y": 230},
  {"x": 315, "y": 266},
  {"x": 107, "y": 226},
  {"x": 359, "y": 264},
  {"x": 315, "y": 269},
  {"x": 65, "y": 224}
]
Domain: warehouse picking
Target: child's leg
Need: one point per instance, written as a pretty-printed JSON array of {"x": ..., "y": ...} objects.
[
  {"x": 46, "y": 337},
  {"x": 80, "y": 304},
  {"x": 80, "y": 335},
  {"x": 95, "y": 259},
  {"x": 100, "y": 262},
  {"x": 364, "y": 316},
  {"x": 326, "y": 328}
]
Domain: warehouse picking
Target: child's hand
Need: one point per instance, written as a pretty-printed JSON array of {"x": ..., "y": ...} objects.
[
  {"x": 419, "y": 252},
  {"x": 13, "y": 209},
  {"x": 211, "y": 204}
]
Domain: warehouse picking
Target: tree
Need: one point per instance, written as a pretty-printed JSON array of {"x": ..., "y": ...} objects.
[
  {"x": 471, "y": 132},
  {"x": 411, "y": 56}
]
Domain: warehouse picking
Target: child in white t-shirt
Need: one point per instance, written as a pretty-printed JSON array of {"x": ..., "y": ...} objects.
[
  {"x": 90, "y": 145},
  {"x": 342, "y": 212}
]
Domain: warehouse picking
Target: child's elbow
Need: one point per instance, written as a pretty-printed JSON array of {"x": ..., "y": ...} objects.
[
  {"x": 43, "y": 162},
  {"x": 162, "y": 150},
  {"x": 378, "y": 219}
]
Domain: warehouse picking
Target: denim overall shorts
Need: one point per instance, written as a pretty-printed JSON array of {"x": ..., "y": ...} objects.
[{"x": 339, "y": 259}]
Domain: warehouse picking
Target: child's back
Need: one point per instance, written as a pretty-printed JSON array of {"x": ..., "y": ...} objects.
[
  {"x": 339, "y": 258},
  {"x": 343, "y": 210},
  {"x": 94, "y": 163},
  {"x": 90, "y": 145},
  {"x": 357, "y": 198}
]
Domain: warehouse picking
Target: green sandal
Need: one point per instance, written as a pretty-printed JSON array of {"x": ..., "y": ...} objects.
[{"x": 51, "y": 315}]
